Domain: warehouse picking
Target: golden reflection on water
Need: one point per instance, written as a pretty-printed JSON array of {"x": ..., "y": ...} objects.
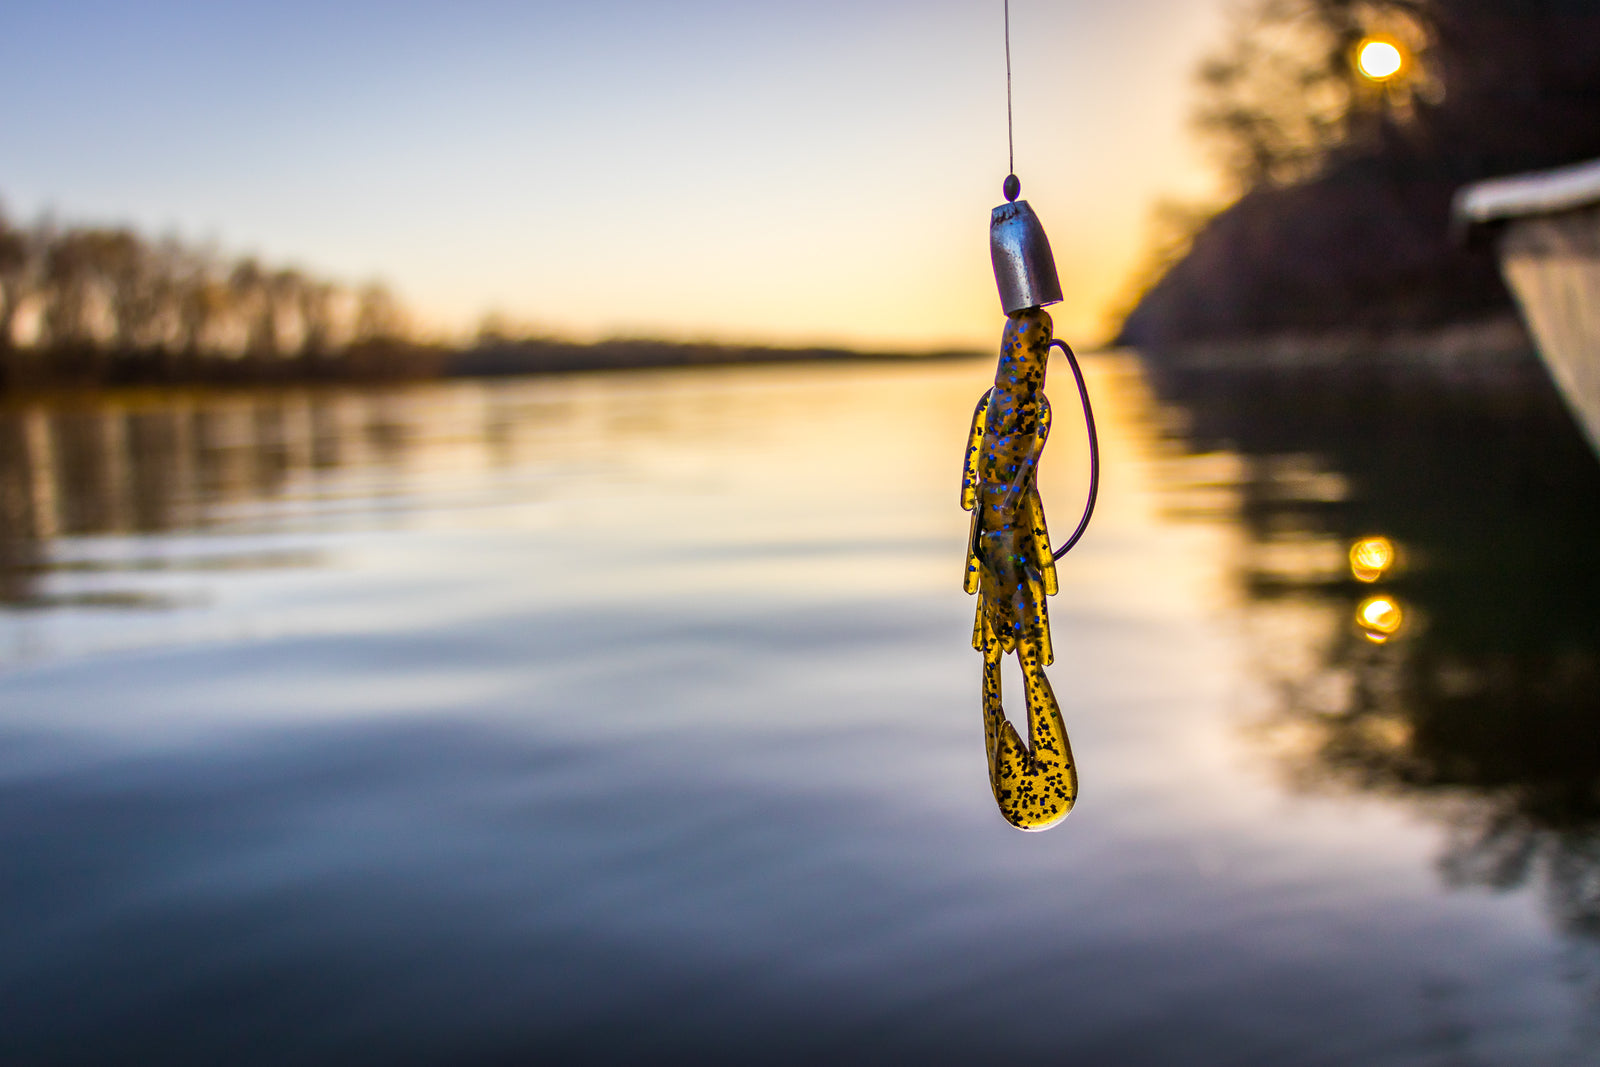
[
  {"x": 772, "y": 483},
  {"x": 92, "y": 485},
  {"x": 1471, "y": 675},
  {"x": 1370, "y": 558},
  {"x": 755, "y": 480},
  {"x": 1380, "y": 618}
]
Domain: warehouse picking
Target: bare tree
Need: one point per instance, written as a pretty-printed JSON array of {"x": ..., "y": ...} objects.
[
  {"x": 203, "y": 302},
  {"x": 316, "y": 317},
  {"x": 69, "y": 291},
  {"x": 108, "y": 292},
  {"x": 15, "y": 276},
  {"x": 252, "y": 302},
  {"x": 378, "y": 315},
  {"x": 283, "y": 297},
  {"x": 124, "y": 265}
]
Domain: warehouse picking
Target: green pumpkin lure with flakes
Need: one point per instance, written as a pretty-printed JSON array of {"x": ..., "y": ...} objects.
[{"x": 1010, "y": 565}]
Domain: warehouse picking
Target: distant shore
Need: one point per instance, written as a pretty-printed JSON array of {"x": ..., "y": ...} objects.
[
  {"x": 83, "y": 368},
  {"x": 1488, "y": 349},
  {"x": 516, "y": 357}
]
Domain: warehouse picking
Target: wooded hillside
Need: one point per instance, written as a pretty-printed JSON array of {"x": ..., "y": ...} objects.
[{"x": 1345, "y": 185}]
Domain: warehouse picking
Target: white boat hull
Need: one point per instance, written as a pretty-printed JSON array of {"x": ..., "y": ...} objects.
[
  {"x": 1552, "y": 265},
  {"x": 1547, "y": 231}
]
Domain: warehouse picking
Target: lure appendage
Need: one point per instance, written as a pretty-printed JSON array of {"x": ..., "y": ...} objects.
[
  {"x": 1009, "y": 566},
  {"x": 1034, "y": 782}
]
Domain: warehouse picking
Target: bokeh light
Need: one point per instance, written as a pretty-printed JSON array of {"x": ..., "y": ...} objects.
[
  {"x": 1370, "y": 557},
  {"x": 1379, "y": 618},
  {"x": 1379, "y": 60}
]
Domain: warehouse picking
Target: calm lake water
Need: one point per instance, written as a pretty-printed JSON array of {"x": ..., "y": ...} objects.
[{"x": 633, "y": 718}]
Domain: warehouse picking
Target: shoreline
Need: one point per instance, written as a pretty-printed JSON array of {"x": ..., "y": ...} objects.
[
  {"x": 80, "y": 374},
  {"x": 1484, "y": 350},
  {"x": 501, "y": 359}
]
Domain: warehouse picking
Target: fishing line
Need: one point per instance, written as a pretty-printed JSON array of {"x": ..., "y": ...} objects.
[
  {"x": 1011, "y": 144},
  {"x": 1010, "y": 565},
  {"x": 1012, "y": 188}
]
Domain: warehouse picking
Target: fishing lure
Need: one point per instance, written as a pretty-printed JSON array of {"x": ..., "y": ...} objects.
[{"x": 1009, "y": 562}]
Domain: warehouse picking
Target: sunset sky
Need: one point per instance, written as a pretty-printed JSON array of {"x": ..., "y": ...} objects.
[{"x": 787, "y": 172}]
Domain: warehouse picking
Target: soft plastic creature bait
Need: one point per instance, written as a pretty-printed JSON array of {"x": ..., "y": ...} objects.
[{"x": 1009, "y": 562}]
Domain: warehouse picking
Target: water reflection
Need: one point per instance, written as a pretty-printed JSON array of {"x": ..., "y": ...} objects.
[
  {"x": 1370, "y": 558},
  {"x": 1471, "y": 679},
  {"x": 619, "y": 719},
  {"x": 129, "y": 466},
  {"x": 1379, "y": 618},
  {"x": 139, "y": 464}
]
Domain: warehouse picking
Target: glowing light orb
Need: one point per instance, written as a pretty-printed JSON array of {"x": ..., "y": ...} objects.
[
  {"x": 1370, "y": 557},
  {"x": 1379, "y": 60},
  {"x": 1380, "y": 617}
]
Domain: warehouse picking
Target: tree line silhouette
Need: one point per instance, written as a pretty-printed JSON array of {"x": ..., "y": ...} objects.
[
  {"x": 104, "y": 305},
  {"x": 92, "y": 306}
]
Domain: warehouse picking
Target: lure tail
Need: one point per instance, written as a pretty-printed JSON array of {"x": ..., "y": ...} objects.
[{"x": 1035, "y": 783}]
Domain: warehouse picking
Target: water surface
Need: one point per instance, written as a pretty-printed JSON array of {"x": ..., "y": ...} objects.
[{"x": 610, "y": 718}]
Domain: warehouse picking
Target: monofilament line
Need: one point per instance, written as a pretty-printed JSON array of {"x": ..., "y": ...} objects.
[{"x": 1010, "y": 141}]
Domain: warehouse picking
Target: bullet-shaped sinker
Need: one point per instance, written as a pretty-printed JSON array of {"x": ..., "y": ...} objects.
[{"x": 1024, "y": 268}]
